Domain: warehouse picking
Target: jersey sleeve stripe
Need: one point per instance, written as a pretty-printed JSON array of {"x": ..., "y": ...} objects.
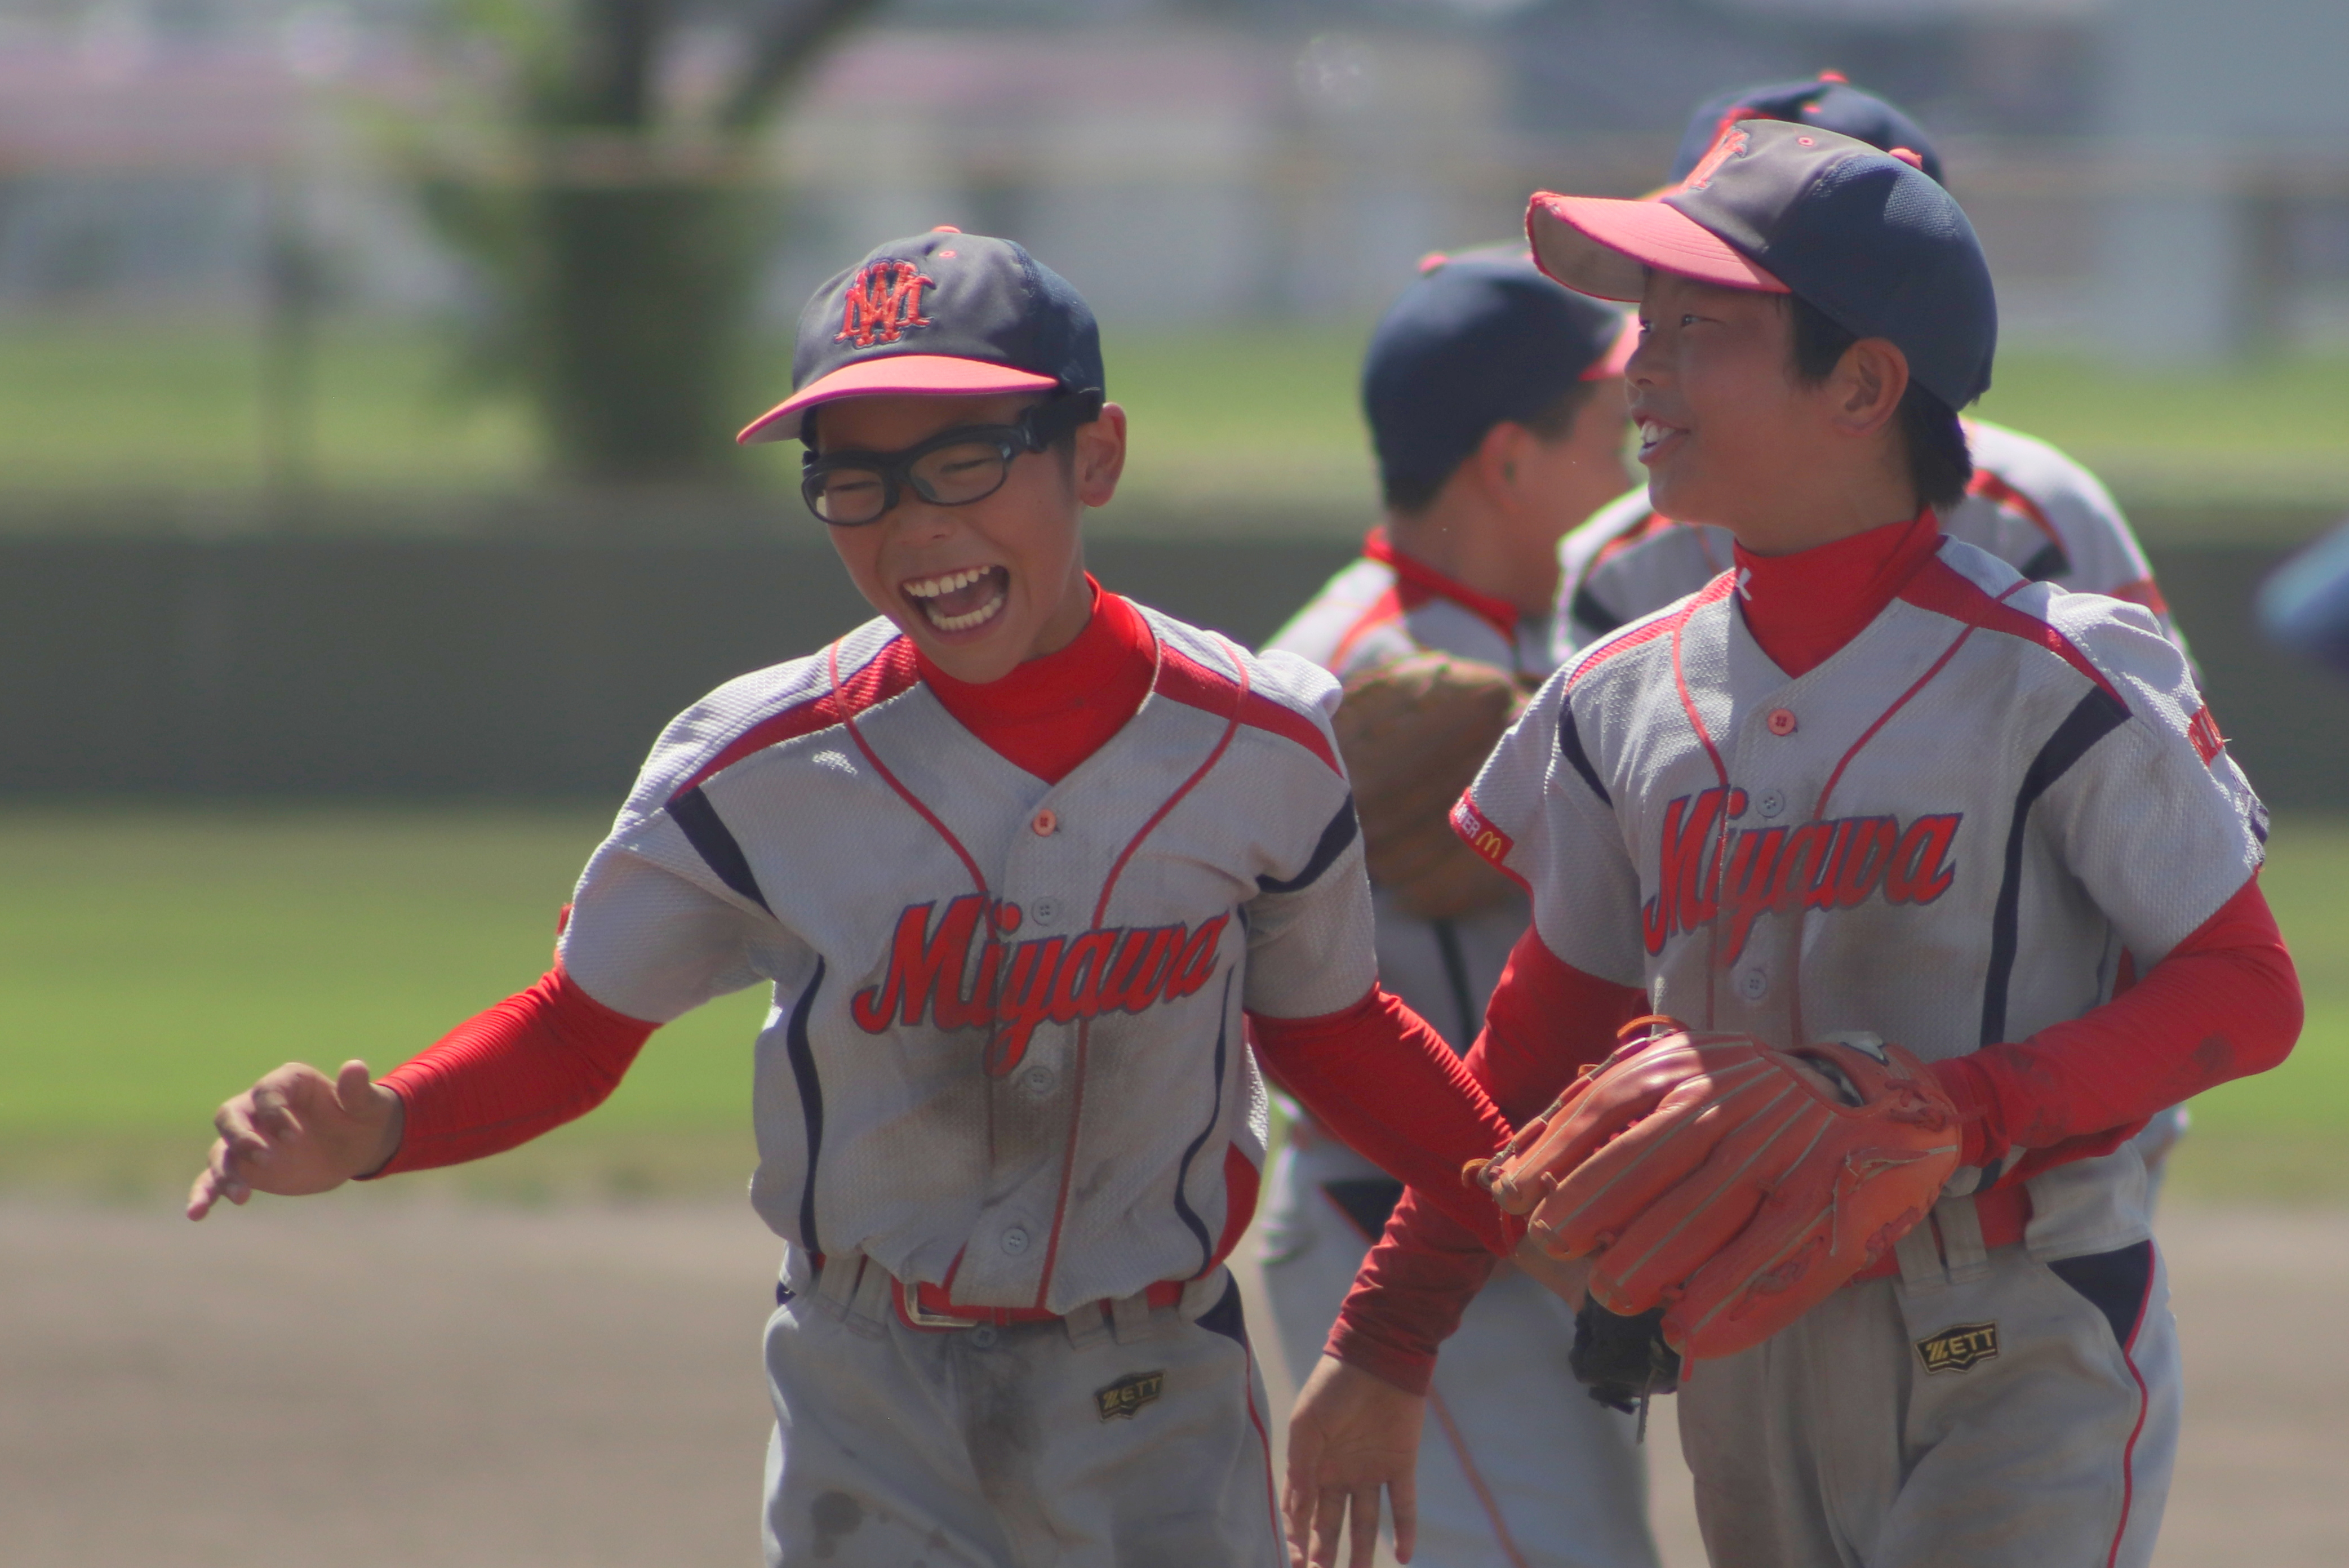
[
  {"x": 1385, "y": 610},
  {"x": 1333, "y": 842},
  {"x": 1994, "y": 489},
  {"x": 711, "y": 840},
  {"x": 2097, "y": 713},
  {"x": 2145, "y": 591},
  {"x": 889, "y": 673},
  {"x": 1183, "y": 679},
  {"x": 1940, "y": 588},
  {"x": 1569, "y": 745}
]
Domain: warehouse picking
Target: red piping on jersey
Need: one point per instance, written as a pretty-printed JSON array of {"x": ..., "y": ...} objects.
[
  {"x": 1993, "y": 488},
  {"x": 1940, "y": 588},
  {"x": 1819, "y": 811},
  {"x": 848, "y": 719},
  {"x": 1648, "y": 632},
  {"x": 1417, "y": 583},
  {"x": 1679, "y": 624},
  {"x": 1101, "y": 908},
  {"x": 1183, "y": 679},
  {"x": 1648, "y": 527},
  {"x": 2145, "y": 592},
  {"x": 889, "y": 673}
]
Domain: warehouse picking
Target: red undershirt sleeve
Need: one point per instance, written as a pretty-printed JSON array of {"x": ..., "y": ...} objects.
[
  {"x": 1379, "y": 1079},
  {"x": 2223, "y": 1004},
  {"x": 537, "y": 1060},
  {"x": 1546, "y": 1022}
]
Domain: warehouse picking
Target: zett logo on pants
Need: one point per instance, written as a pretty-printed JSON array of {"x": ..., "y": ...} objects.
[
  {"x": 1957, "y": 1349},
  {"x": 1128, "y": 1394}
]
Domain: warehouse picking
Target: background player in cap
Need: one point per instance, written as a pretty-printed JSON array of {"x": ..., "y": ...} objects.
[
  {"x": 1020, "y": 861},
  {"x": 1495, "y": 404},
  {"x": 1870, "y": 787}
]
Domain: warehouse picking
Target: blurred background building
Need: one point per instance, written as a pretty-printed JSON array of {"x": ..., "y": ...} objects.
[{"x": 2155, "y": 179}]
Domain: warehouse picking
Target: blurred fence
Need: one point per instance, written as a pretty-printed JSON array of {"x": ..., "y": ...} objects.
[{"x": 371, "y": 668}]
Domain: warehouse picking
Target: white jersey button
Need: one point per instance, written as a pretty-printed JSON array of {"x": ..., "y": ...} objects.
[
  {"x": 1781, "y": 721},
  {"x": 1046, "y": 823},
  {"x": 1015, "y": 1241},
  {"x": 1772, "y": 801},
  {"x": 1036, "y": 1081},
  {"x": 1044, "y": 910},
  {"x": 1752, "y": 981}
]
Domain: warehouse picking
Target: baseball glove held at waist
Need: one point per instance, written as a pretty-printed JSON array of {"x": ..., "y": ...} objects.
[{"x": 1735, "y": 1184}]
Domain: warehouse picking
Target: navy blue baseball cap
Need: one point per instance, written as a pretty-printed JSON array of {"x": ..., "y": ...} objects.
[
  {"x": 942, "y": 314},
  {"x": 1868, "y": 237},
  {"x": 1478, "y": 338},
  {"x": 1829, "y": 102}
]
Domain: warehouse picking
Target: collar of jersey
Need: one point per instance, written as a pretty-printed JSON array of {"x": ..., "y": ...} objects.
[
  {"x": 1051, "y": 713},
  {"x": 1416, "y": 577},
  {"x": 1803, "y": 608}
]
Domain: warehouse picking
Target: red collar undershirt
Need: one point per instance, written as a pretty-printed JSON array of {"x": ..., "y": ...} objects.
[
  {"x": 1051, "y": 713},
  {"x": 1416, "y": 582},
  {"x": 1801, "y": 608}
]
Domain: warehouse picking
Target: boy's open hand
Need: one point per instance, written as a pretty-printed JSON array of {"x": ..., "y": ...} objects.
[
  {"x": 299, "y": 1131},
  {"x": 1351, "y": 1435}
]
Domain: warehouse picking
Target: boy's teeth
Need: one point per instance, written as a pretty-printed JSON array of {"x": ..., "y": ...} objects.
[
  {"x": 979, "y": 616},
  {"x": 1651, "y": 432},
  {"x": 931, "y": 587}
]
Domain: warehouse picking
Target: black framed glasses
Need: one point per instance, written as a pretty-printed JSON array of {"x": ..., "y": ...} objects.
[{"x": 953, "y": 468}]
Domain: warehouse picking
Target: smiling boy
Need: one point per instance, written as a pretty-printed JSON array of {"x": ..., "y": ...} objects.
[
  {"x": 1024, "y": 865},
  {"x": 1869, "y": 782}
]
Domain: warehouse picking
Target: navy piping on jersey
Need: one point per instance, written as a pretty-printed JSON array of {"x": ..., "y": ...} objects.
[
  {"x": 690, "y": 810},
  {"x": 2050, "y": 563},
  {"x": 1590, "y": 614},
  {"x": 1189, "y": 1215},
  {"x": 803, "y": 1057},
  {"x": 1335, "y": 837},
  {"x": 1569, "y": 745},
  {"x": 2096, "y": 714}
]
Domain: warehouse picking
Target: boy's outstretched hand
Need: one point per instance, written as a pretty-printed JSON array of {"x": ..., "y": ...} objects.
[
  {"x": 297, "y": 1131},
  {"x": 1351, "y": 1435}
]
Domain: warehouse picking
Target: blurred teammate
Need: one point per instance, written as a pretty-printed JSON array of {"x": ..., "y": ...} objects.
[
  {"x": 1020, "y": 860},
  {"x": 1495, "y": 404}
]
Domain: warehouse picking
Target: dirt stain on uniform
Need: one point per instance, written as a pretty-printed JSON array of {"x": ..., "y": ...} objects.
[{"x": 834, "y": 1514}]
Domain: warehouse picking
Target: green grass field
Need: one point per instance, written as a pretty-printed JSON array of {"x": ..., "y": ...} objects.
[
  {"x": 1258, "y": 418},
  {"x": 153, "y": 963}
]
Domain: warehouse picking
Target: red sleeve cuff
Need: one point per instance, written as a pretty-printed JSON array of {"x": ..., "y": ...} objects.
[{"x": 537, "y": 1060}]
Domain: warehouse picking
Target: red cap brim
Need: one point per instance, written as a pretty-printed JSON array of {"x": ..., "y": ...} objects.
[
  {"x": 1600, "y": 246},
  {"x": 894, "y": 375},
  {"x": 1618, "y": 358}
]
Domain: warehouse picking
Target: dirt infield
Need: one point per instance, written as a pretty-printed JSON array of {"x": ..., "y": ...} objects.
[{"x": 366, "y": 1380}]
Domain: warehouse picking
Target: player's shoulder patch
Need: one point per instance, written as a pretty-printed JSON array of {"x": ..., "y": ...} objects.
[{"x": 1275, "y": 694}]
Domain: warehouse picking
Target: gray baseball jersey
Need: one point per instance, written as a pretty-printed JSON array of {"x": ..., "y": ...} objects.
[
  {"x": 2029, "y": 505},
  {"x": 1516, "y": 1468},
  {"x": 1946, "y": 835},
  {"x": 2007, "y": 784},
  {"x": 827, "y": 827}
]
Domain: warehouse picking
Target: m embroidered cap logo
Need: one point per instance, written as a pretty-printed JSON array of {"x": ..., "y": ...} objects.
[
  {"x": 1121, "y": 1398},
  {"x": 1959, "y": 1349},
  {"x": 884, "y": 303},
  {"x": 1732, "y": 142}
]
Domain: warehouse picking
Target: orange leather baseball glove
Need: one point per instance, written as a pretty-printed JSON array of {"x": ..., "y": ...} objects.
[{"x": 1732, "y": 1184}]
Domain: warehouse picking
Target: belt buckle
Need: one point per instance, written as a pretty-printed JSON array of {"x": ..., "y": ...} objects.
[{"x": 910, "y": 1303}]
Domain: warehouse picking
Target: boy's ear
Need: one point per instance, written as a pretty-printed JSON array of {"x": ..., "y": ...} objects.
[
  {"x": 1867, "y": 385},
  {"x": 1500, "y": 457},
  {"x": 1101, "y": 456}
]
